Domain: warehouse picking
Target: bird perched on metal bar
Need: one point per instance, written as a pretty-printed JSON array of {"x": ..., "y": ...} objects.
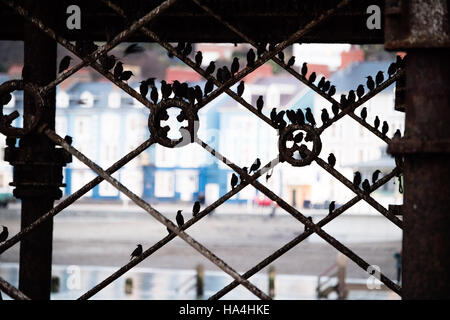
[
  {"x": 360, "y": 91},
  {"x": 325, "y": 116},
  {"x": 331, "y": 160},
  {"x": 370, "y": 83},
  {"x": 300, "y": 116},
  {"x": 133, "y": 48},
  {"x": 137, "y": 252},
  {"x": 273, "y": 115},
  {"x": 385, "y": 128},
  {"x": 240, "y": 88},
  {"x": 4, "y": 234},
  {"x": 326, "y": 86},
  {"x": 198, "y": 94},
  {"x": 379, "y": 78},
  {"x": 255, "y": 166},
  {"x": 351, "y": 98},
  {"x": 118, "y": 69},
  {"x": 331, "y": 207},
  {"x": 235, "y": 66},
  {"x": 375, "y": 176},
  {"x": 310, "y": 117},
  {"x": 397, "y": 134},
  {"x": 364, "y": 114},
  {"x": 357, "y": 179},
  {"x": 234, "y": 181},
  {"x": 251, "y": 58},
  {"x": 292, "y": 116},
  {"x": 143, "y": 88},
  {"x": 211, "y": 67},
  {"x": 198, "y": 59},
  {"x": 298, "y": 137},
  {"x": 196, "y": 208},
  {"x": 366, "y": 186},
  {"x": 166, "y": 89},
  {"x": 226, "y": 74},
  {"x": 343, "y": 101},
  {"x": 281, "y": 56},
  {"x": 187, "y": 50},
  {"x": 376, "y": 122},
  {"x": 332, "y": 91},
  {"x": 259, "y": 104},
  {"x": 126, "y": 75},
  {"x": 291, "y": 62},
  {"x": 180, "y": 47},
  {"x": 335, "y": 109},
  {"x": 321, "y": 83},
  {"x": 179, "y": 218},
  {"x": 209, "y": 86},
  {"x": 107, "y": 62},
  {"x": 304, "y": 70},
  {"x": 312, "y": 78},
  {"x": 154, "y": 95},
  {"x": 392, "y": 69},
  {"x": 269, "y": 175},
  {"x": 64, "y": 63}
]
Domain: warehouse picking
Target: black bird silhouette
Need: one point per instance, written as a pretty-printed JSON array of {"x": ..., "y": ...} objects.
[
  {"x": 176, "y": 87},
  {"x": 184, "y": 90},
  {"x": 137, "y": 252},
  {"x": 196, "y": 208},
  {"x": 198, "y": 58},
  {"x": 255, "y": 166},
  {"x": 26, "y": 71},
  {"x": 392, "y": 69},
  {"x": 245, "y": 169},
  {"x": 344, "y": 101},
  {"x": 357, "y": 179},
  {"x": 370, "y": 83},
  {"x": 326, "y": 86},
  {"x": 143, "y": 88},
  {"x": 280, "y": 116},
  {"x": 351, "y": 98},
  {"x": 332, "y": 91},
  {"x": 292, "y": 116},
  {"x": 300, "y": 116},
  {"x": 269, "y": 175},
  {"x": 306, "y": 227},
  {"x": 64, "y": 64},
  {"x": 118, "y": 69},
  {"x": 325, "y": 116},
  {"x": 273, "y": 114},
  {"x": 312, "y": 77},
  {"x": 154, "y": 95},
  {"x": 376, "y": 122},
  {"x": 385, "y": 128},
  {"x": 335, "y": 109},
  {"x": 332, "y": 160},
  {"x": 259, "y": 104},
  {"x": 5, "y": 99},
  {"x": 272, "y": 46},
  {"x": 281, "y": 56},
  {"x": 180, "y": 219},
  {"x": 304, "y": 70},
  {"x": 309, "y": 117},
  {"x": 331, "y": 207},
  {"x": 298, "y": 137},
  {"x": 4, "y": 234},
  {"x": 133, "y": 48},
  {"x": 240, "y": 88},
  {"x": 209, "y": 86},
  {"x": 251, "y": 58},
  {"x": 166, "y": 89},
  {"x": 364, "y": 114},
  {"x": 211, "y": 67},
  {"x": 291, "y": 62},
  {"x": 107, "y": 62},
  {"x": 234, "y": 181},
  {"x": 219, "y": 75},
  {"x": 260, "y": 49},
  {"x": 68, "y": 139},
  {"x": 191, "y": 95},
  {"x": 400, "y": 62},
  {"x": 366, "y": 186},
  {"x": 379, "y": 78},
  {"x": 397, "y": 134},
  {"x": 150, "y": 82},
  {"x": 198, "y": 93},
  {"x": 226, "y": 74},
  {"x": 126, "y": 75},
  {"x": 235, "y": 65},
  {"x": 360, "y": 91},
  {"x": 308, "y": 137},
  {"x": 375, "y": 176},
  {"x": 321, "y": 83},
  {"x": 187, "y": 50},
  {"x": 180, "y": 47}
]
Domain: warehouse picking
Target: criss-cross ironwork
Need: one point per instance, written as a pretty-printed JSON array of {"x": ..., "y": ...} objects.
[{"x": 157, "y": 137}]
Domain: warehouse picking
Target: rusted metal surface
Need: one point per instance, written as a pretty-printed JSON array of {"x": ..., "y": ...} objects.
[{"x": 11, "y": 291}]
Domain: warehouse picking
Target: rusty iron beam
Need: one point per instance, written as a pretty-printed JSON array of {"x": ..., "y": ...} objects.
[{"x": 12, "y": 291}]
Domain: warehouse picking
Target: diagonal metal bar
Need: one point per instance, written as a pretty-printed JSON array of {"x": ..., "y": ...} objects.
[
  {"x": 65, "y": 43},
  {"x": 346, "y": 111},
  {"x": 100, "y": 51},
  {"x": 74, "y": 196},
  {"x": 12, "y": 291},
  {"x": 297, "y": 215},
  {"x": 297, "y": 240},
  {"x": 171, "y": 236},
  {"x": 157, "y": 215}
]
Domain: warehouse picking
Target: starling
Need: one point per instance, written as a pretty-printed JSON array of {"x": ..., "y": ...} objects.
[
  {"x": 255, "y": 166},
  {"x": 269, "y": 175},
  {"x": 309, "y": 117},
  {"x": 260, "y": 49},
  {"x": 259, "y": 104},
  {"x": 300, "y": 117},
  {"x": 64, "y": 64},
  {"x": 211, "y": 67},
  {"x": 126, "y": 75},
  {"x": 273, "y": 114},
  {"x": 304, "y": 70},
  {"x": 235, "y": 65},
  {"x": 298, "y": 137},
  {"x": 108, "y": 62},
  {"x": 137, "y": 252},
  {"x": 180, "y": 47},
  {"x": 392, "y": 69},
  {"x": 68, "y": 140},
  {"x": 324, "y": 116},
  {"x": 198, "y": 93},
  {"x": 154, "y": 95},
  {"x": 281, "y": 56},
  {"x": 291, "y": 62},
  {"x": 118, "y": 69},
  {"x": 280, "y": 116},
  {"x": 370, "y": 83},
  {"x": 375, "y": 176},
  {"x": 4, "y": 234},
  {"x": 187, "y": 50},
  {"x": 5, "y": 99},
  {"x": 292, "y": 116},
  {"x": 332, "y": 91},
  {"x": 226, "y": 74},
  {"x": 397, "y": 134},
  {"x": 234, "y": 181},
  {"x": 335, "y": 109},
  {"x": 364, "y": 114},
  {"x": 196, "y": 208},
  {"x": 312, "y": 77},
  {"x": 379, "y": 78},
  {"x": 150, "y": 82},
  {"x": 400, "y": 62},
  {"x": 180, "y": 219},
  {"x": 166, "y": 89},
  {"x": 198, "y": 59},
  {"x": 219, "y": 75},
  {"x": 209, "y": 86},
  {"x": 321, "y": 83},
  {"x": 176, "y": 88},
  {"x": 351, "y": 98},
  {"x": 250, "y": 58},
  {"x": 143, "y": 89},
  {"x": 308, "y": 137},
  {"x": 357, "y": 179},
  {"x": 366, "y": 186},
  {"x": 191, "y": 95},
  {"x": 376, "y": 122},
  {"x": 184, "y": 90},
  {"x": 385, "y": 128},
  {"x": 344, "y": 102},
  {"x": 331, "y": 207},
  {"x": 133, "y": 48},
  {"x": 326, "y": 86},
  {"x": 331, "y": 160},
  {"x": 360, "y": 91},
  {"x": 240, "y": 89}
]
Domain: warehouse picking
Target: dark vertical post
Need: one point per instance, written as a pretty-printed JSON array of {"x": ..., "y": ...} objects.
[
  {"x": 200, "y": 281},
  {"x": 37, "y": 199}
]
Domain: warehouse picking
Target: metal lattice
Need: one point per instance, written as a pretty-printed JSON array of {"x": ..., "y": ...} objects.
[{"x": 157, "y": 137}]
